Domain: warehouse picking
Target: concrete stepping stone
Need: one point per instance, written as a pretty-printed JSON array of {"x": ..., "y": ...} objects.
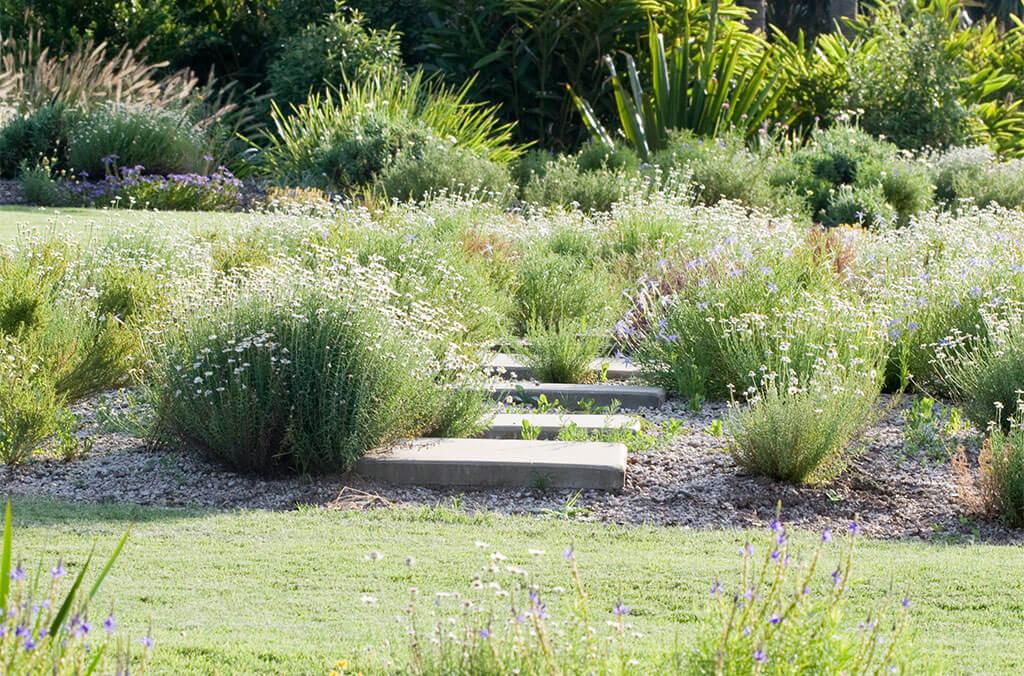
[
  {"x": 549, "y": 425},
  {"x": 488, "y": 463},
  {"x": 573, "y": 397},
  {"x": 514, "y": 367}
]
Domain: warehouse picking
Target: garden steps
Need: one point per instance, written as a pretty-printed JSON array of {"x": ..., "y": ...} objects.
[
  {"x": 576, "y": 397},
  {"x": 513, "y": 366},
  {"x": 549, "y": 425},
  {"x": 489, "y": 463}
]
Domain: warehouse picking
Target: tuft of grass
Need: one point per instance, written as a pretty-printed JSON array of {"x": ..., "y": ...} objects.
[{"x": 563, "y": 352}]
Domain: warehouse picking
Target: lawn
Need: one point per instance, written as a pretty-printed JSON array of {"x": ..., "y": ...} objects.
[
  {"x": 82, "y": 222},
  {"x": 281, "y": 592}
]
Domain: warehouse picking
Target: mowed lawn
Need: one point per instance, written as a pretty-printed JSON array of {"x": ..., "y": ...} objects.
[
  {"x": 16, "y": 220},
  {"x": 283, "y": 592}
]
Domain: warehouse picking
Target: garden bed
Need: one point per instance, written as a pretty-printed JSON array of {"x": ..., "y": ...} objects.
[{"x": 689, "y": 482}]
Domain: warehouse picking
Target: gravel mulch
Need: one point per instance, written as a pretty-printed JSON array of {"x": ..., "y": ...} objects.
[{"x": 691, "y": 482}]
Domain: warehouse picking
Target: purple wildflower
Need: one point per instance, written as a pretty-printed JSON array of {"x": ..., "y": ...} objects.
[
  {"x": 620, "y": 609},
  {"x": 716, "y": 588},
  {"x": 905, "y": 602},
  {"x": 147, "y": 642},
  {"x": 568, "y": 554},
  {"x": 484, "y": 634},
  {"x": 837, "y": 577},
  {"x": 853, "y": 528},
  {"x": 826, "y": 535},
  {"x": 760, "y": 656},
  {"x": 58, "y": 571},
  {"x": 109, "y": 625},
  {"x": 774, "y": 619},
  {"x": 18, "y": 574}
]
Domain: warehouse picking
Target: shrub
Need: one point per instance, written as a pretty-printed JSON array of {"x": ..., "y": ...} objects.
[
  {"x": 858, "y": 205},
  {"x": 438, "y": 166},
  {"x": 780, "y": 619},
  {"x": 45, "y": 629},
  {"x": 908, "y": 84},
  {"x": 303, "y": 380},
  {"x": 30, "y": 407},
  {"x": 40, "y": 187},
  {"x": 976, "y": 174},
  {"x": 800, "y": 430},
  {"x": 553, "y": 290},
  {"x": 844, "y": 171},
  {"x": 986, "y": 371},
  {"x": 1001, "y": 466},
  {"x": 31, "y": 138},
  {"x": 720, "y": 169},
  {"x": 594, "y": 156},
  {"x": 344, "y": 140},
  {"x": 337, "y": 50},
  {"x": 563, "y": 185},
  {"x": 563, "y": 352},
  {"x": 161, "y": 141}
]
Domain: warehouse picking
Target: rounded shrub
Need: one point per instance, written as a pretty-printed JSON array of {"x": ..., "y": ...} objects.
[
  {"x": 552, "y": 290},
  {"x": 719, "y": 169},
  {"x": 29, "y": 139},
  {"x": 976, "y": 174},
  {"x": 337, "y": 50},
  {"x": 858, "y": 205},
  {"x": 563, "y": 185},
  {"x": 308, "y": 381},
  {"x": 439, "y": 166},
  {"x": 162, "y": 142},
  {"x": 593, "y": 156}
]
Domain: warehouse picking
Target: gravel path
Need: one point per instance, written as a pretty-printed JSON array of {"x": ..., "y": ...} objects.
[{"x": 691, "y": 483}]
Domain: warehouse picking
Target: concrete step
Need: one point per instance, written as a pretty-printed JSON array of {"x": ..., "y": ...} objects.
[
  {"x": 572, "y": 396},
  {"x": 514, "y": 367},
  {"x": 549, "y": 425},
  {"x": 483, "y": 463}
]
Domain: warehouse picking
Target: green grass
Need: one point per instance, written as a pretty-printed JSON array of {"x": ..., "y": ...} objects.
[
  {"x": 244, "y": 592},
  {"x": 80, "y": 222}
]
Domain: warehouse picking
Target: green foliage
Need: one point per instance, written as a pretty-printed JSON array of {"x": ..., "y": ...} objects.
[
  {"x": 40, "y": 187},
  {"x": 47, "y": 632},
  {"x": 346, "y": 139},
  {"x": 594, "y": 156},
  {"x": 438, "y": 166},
  {"x": 976, "y": 174},
  {"x": 306, "y": 384},
  {"x": 33, "y": 137},
  {"x": 858, "y": 205},
  {"x": 563, "y": 184},
  {"x": 707, "y": 82},
  {"x": 985, "y": 371},
  {"x": 562, "y": 352},
  {"x": 780, "y": 618},
  {"x": 907, "y": 83},
  {"x": 845, "y": 175},
  {"x": 1002, "y": 473},
  {"x": 329, "y": 53},
  {"x": 555, "y": 290},
  {"x": 161, "y": 141},
  {"x": 29, "y": 404},
  {"x": 722, "y": 169},
  {"x": 801, "y": 430}
]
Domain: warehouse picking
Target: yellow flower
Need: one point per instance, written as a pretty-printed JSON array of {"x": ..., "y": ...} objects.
[{"x": 341, "y": 665}]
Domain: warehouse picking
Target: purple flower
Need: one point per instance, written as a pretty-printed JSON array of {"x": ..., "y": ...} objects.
[
  {"x": 837, "y": 577},
  {"x": 776, "y": 527},
  {"x": 147, "y": 642},
  {"x": 905, "y": 602},
  {"x": 18, "y": 574},
  {"x": 109, "y": 625},
  {"x": 826, "y": 535},
  {"x": 58, "y": 571},
  {"x": 484, "y": 634},
  {"x": 776, "y": 554},
  {"x": 853, "y": 528},
  {"x": 774, "y": 619},
  {"x": 716, "y": 588},
  {"x": 568, "y": 554},
  {"x": 760, "y": 656},
  {"x": 620, "y": 609},
  {"x": 29, "y": 644}
]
